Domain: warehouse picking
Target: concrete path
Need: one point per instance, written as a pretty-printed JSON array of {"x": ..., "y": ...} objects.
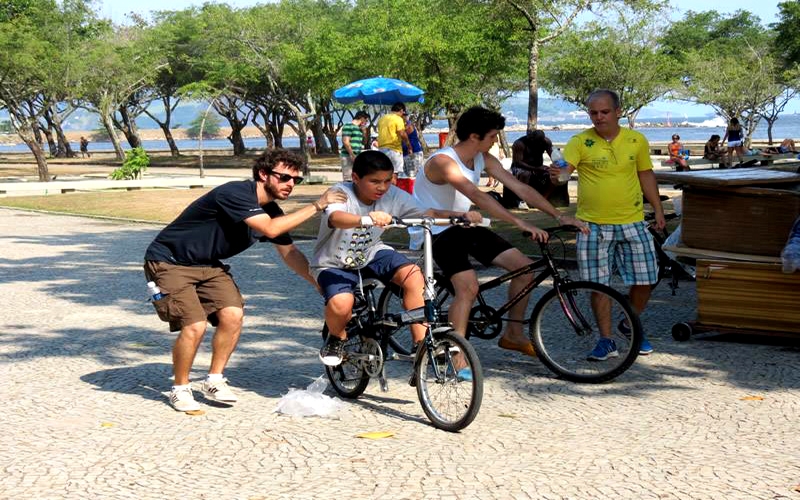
[{"x": 84, "y": 363}]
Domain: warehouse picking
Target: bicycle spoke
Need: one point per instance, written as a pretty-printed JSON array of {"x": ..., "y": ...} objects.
[{"x": 567, "y": 330}]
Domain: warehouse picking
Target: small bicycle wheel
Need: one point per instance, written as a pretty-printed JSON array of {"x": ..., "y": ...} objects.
[
  {"x": 391, "y": 302},
  {"x": 565, "y": 331},
  {"x": 349, "y": 379},
  {"x": 449, "y": 397}
]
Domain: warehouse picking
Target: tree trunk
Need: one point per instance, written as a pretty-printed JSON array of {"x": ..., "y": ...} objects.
[
  {"x": 58, "y": 121},
  {"x": 533, "y": 84},
  {"x": 63, "y": 143},
  {"x": 173, "y": 148},
  {"x": 165, "y": 125},
  {"x": 107, "y": 121},
  {"x": 770, "y": 123},
  {"x": 228, "y": 111},
  {"x": 128, "y": 127},
  {"x": 51, "y": 143},
  {"x": 28, "y": 137}
]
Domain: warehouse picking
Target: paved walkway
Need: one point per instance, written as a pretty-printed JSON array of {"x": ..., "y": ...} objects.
[{"x": 84, "y": 363}]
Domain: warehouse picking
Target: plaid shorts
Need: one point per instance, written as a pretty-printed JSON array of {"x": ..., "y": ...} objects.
[{"x": 625, "y": 248}]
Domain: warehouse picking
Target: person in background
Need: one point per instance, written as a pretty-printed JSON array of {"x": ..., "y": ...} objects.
[
  {"x": 712, "y": 151},
  {"x": 614, "y": 170},
  {"x": 676, "y": 153},
  {"x": 352, "y": 142},
  {"x": 310, "y": 144},
  {"x": 392, "y": 135},
  {"x": 185, "y": 262},
  {"x": 734, "y": 134},
  {"x": 786, "y": 146},
  {"x": 412, "y": 158},
  {"x": 85, "y": 147},
  {"x": 528, "y": 167}
]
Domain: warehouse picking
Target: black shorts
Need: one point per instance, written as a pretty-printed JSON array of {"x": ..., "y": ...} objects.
[{"x": 453, "y": 247}]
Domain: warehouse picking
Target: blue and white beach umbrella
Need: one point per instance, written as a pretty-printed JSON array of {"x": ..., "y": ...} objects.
[{"x": 379, "y": 90}]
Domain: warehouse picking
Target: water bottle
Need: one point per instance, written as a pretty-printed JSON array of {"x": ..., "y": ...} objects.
[
  {"x": 558, "y": 160},
  {"x": 154, "y": 291}
]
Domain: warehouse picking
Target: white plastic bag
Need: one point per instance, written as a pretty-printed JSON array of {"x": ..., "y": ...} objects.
[{"x": 309, "y": 402}]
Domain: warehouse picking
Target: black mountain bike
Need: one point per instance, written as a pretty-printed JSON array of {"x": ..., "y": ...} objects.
[
  {"x": 564, "y": 325},
  {"x": 449, "y": 399}
]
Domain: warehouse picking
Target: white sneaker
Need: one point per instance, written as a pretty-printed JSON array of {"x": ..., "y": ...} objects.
[
  {"x": 218, "y": 391},
  {"x": 182, "y": 399},
  {"x": 523, "y": 206}
]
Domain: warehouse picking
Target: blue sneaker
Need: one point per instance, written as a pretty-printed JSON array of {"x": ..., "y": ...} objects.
[
  {"x": 464, "y": 375},
  {"x": 605, "y": 348},
  {"x": 645, "y": 349}
]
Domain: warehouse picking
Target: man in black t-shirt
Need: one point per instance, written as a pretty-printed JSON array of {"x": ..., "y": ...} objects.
[{"x": 184, "y": 261}]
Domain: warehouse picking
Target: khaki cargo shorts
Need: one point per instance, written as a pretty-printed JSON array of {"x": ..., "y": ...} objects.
[{"x": 193, "y": 293}]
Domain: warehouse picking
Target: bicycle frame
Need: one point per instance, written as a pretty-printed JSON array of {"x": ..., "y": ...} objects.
[{"x": 581, "y": 325}]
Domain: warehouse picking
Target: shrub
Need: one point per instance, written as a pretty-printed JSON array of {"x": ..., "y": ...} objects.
[
  {"x": 210, "y": 128},
  {"x": 136, "y": 162}
]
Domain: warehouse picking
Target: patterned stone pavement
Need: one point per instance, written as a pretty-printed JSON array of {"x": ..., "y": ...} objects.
[{"x": 84, "y": 363}]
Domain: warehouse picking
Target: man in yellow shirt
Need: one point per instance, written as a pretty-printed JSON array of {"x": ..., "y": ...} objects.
[
  {"x": 614, "y": 170},
  {"x": 391, "y": 136}
]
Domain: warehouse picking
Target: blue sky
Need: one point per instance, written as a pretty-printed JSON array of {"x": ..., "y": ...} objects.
[
  {"x": 767, "y": 12},
  {"x": 116, "y": 9}
]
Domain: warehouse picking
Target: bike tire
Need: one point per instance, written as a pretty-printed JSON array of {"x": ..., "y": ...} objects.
[
  {"x": 391, "y": 302},
  {"x": 564, "y": 350},
  {"x": 349, "y": 379},
  {"x": 450, "y": 402}
]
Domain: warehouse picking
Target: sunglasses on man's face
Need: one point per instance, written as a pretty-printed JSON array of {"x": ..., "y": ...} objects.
[{"x": 284, "y": 178}]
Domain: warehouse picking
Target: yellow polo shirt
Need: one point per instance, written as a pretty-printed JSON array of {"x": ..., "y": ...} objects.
[
  {"x": 608, "y": 183},
  {"x": 388, "y": 127}
]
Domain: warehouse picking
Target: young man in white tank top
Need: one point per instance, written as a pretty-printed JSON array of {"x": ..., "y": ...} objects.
[{"x": 449, "y": 181}]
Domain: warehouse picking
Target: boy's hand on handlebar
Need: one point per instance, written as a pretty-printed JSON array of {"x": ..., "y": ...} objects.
[
  {"x": 473, "y": 217},
  {"x": 536, "y": 233},
  {"x": 380, "y": 219},
  {"x": 330, "y": 196}
]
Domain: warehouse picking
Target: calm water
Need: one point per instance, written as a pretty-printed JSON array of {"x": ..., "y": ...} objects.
[{"x": 696, "y": 130}]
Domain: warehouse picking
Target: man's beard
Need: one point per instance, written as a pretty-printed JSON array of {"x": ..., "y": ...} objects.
[{"x": 274, "y": 192}]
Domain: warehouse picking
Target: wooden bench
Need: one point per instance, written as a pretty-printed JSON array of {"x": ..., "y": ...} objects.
[{"x": 747, "y": 160}]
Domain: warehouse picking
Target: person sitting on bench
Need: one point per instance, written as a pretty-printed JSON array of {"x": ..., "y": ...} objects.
[
  {"x": 787, "y": 146},
  {"x": 677, "y": 154},
  {"x": 714, "y": 152}
]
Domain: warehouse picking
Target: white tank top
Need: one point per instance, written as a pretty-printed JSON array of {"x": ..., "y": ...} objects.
[{"x": 445, "y": 196}]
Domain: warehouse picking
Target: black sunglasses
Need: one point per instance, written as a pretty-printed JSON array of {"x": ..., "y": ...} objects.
[{"x": 286, "y": 177}]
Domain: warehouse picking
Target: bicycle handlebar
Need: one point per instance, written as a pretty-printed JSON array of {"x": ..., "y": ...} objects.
[
  {"x": 436, "y": 221},
  {"x": 553, "y": 230}
]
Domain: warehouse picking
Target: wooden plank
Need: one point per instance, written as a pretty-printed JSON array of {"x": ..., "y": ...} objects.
[
  {"x": 748, "y": 295},
  {"x": 728, "y": 177},
  {"x": 749, "y": 220},
  {"x": 700, "y": 253}
]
